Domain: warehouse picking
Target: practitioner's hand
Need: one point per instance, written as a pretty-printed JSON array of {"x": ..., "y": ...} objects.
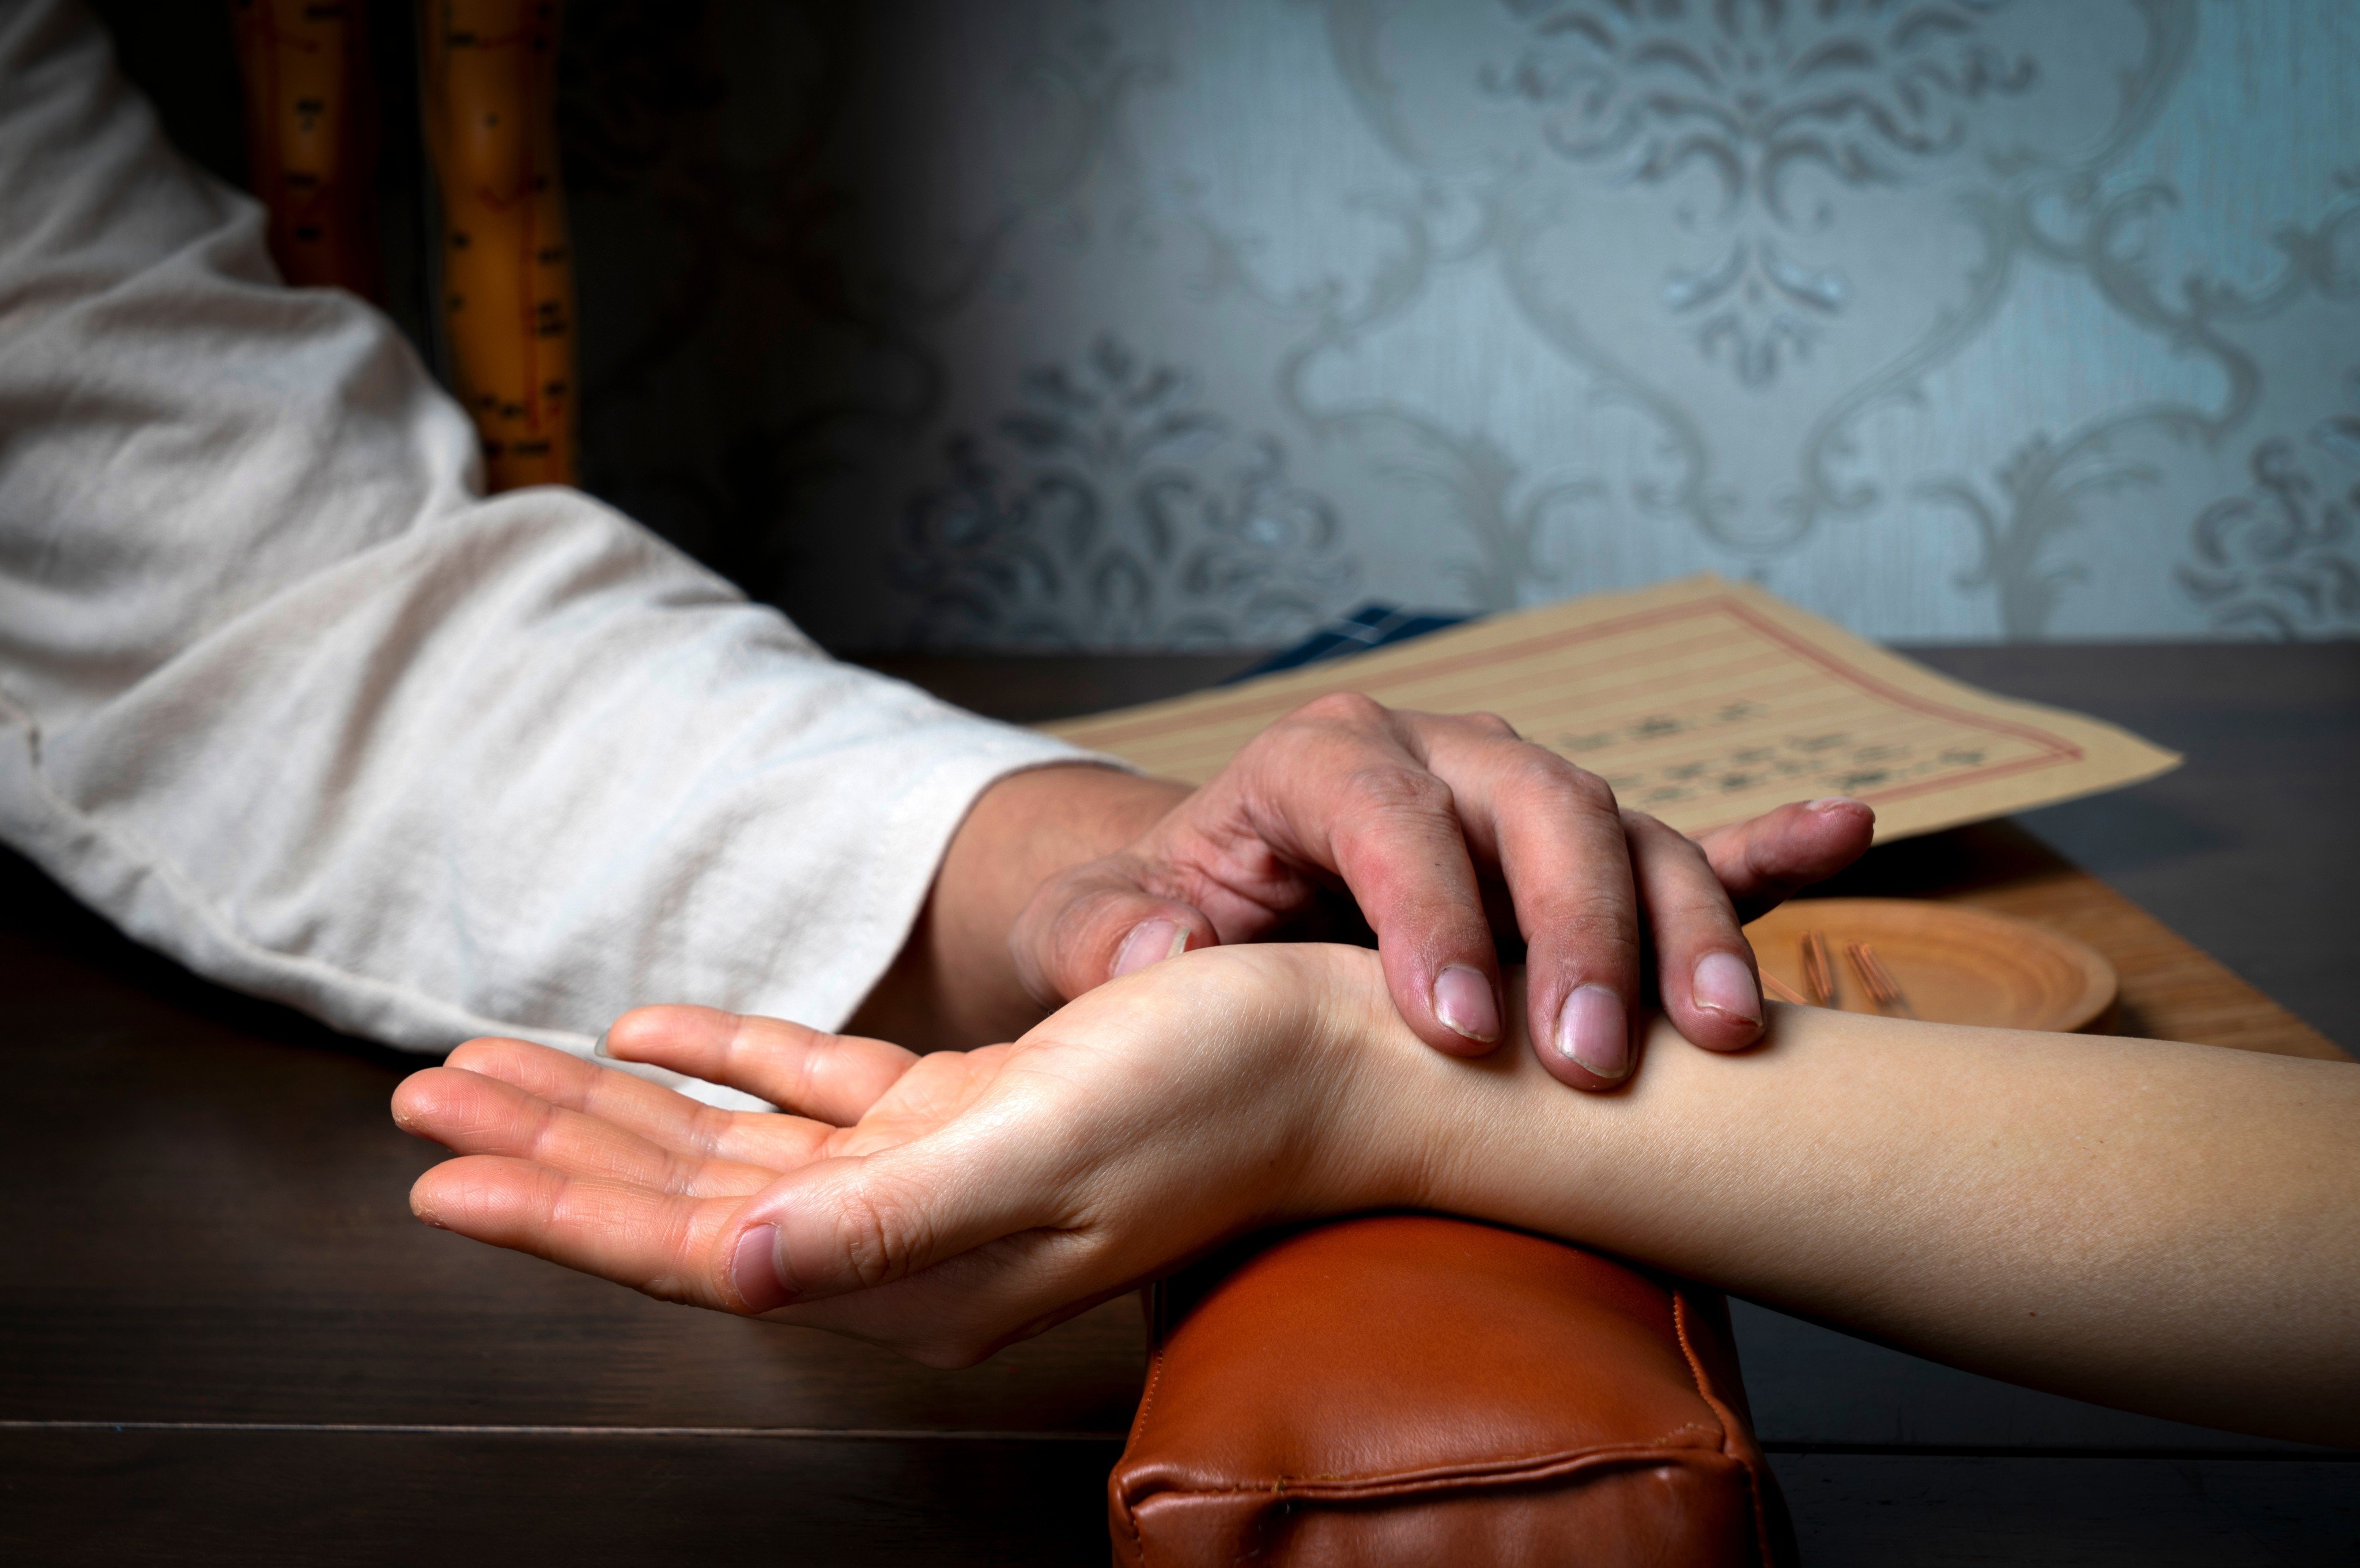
[
  {"x": 943, "y": 1204},
  {"x": 1447, "y": 830}
]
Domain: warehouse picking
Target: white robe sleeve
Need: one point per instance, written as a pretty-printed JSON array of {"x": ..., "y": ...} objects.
[{"x": 282, "y": 695}]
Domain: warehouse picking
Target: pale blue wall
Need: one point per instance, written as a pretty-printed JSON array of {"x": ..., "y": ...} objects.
[{"x": 1143, "y": 322}]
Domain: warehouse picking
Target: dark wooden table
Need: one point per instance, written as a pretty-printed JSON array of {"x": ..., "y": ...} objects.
[{"x": 223, "y": 1339}]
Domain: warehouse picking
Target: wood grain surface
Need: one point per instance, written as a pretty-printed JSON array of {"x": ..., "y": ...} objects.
[
  {"x": 1926, "y": 958},
  {"x": 203, "y": 1202},
  {"x": 2170, "y": 988},
  {"x": 223, "y": 1339}
]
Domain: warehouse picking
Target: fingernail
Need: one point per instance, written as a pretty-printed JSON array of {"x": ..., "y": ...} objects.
[
  {"x": 1463, "y": 1001},
  {"x": 1594, "y": 1032},
  {"x": 1724, "y": 984},
  {"x": 1829, "y": 802},
  {"x": 754, "y": 1269},
  {"x": 600, "y": 1048},
  {"x": 1151, "y": 942}
]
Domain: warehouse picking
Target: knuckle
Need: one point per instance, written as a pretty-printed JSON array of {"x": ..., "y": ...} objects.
[
  {"x": 1392, "y": 787},
  {"x": 467, "y": 1052},
  {"x": 1350, "y": 706},
  {"x": 1593, "y": 791},
  {"x": 1490, "y": 726},
  {"x": 1689, "y": 903},
  {"x": 708, "y": 1131},
  {"x": 1660, "y": 835},
  {"x": 1696, "y": 867},
  {"x": 880, "y": 1235},
  {"x": 817, "y": 1073},
  {"x": 1597, "y": 927},
  {"x": 1350, "y": 713},
  {"x": 1551, "y": 783},
  {"x": 476, "y": 1055},
  {"x": 1599, "y": 950}
]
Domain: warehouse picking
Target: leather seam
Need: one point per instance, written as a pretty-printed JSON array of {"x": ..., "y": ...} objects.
[
  {"x": 1508, "y": 1472},
  {"x": 1696, "y": 1368},
  {"x": 1728, "y": 1419},
  {"x": 1138, "y": 1426},
  {"x": 1147, "y": 1396},
  {"x": 1519, "y": 1469}
]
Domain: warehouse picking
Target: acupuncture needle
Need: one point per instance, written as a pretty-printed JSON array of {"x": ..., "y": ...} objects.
[
  {"x": 1882, "y": 987},
  {"x": 1780, "y": 989},
  {"x": 1819, "y": 974}
]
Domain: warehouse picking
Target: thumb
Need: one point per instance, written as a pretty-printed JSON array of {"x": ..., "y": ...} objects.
[
  {"x": 1761, "y": 860},
  {"x": 1090, "y": 923},
  {"x": 856, "y": 1222}
]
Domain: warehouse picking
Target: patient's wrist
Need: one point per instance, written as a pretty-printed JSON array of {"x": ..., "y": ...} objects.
[
  {"x": 1492, "y": 1137},
  {"x": 1405, "y": 1126}
]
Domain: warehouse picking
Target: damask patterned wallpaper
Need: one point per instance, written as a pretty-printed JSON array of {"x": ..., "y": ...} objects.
[{"x": 1185, "y": 323}]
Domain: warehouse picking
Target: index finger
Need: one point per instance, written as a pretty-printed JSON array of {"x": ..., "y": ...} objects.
[{"x": 1344, "y": 783}]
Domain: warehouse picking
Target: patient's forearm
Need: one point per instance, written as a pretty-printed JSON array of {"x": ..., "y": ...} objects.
[{"x": 2172, "y": 1228}]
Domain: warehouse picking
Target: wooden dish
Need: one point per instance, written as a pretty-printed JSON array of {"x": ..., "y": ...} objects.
[{"x": 1950, "y": 964}]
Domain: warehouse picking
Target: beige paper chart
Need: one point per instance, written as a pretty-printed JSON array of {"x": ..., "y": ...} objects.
[{"x": 1703, "y": 702}]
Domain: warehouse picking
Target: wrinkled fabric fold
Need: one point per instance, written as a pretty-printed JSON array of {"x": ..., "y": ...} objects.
[{"x": 285, "y": 697}]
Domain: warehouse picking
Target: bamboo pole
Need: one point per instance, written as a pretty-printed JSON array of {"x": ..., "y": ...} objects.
[
  {"x": 311, "y": 138},
  {"x": 488, "y": 96}
]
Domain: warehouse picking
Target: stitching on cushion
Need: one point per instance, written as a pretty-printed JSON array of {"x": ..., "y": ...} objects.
[
  {"x": 1506, "y": 1468},
  {"x": 1720, "y": 1436},
  {"x": 1506, "y": 1473},
  {"x": 1138, "y": 1426},
  {"x": 1147, "y": 1394},
  {"x": 1729, "y": 1427},
  {"x": 1696, "y": 1368}
]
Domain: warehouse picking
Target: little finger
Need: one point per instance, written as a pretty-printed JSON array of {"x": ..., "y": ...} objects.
[{"x": 1704, "y": 966}]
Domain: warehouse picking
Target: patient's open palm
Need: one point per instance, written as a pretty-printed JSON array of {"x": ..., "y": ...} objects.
[
  {"x": 605, "y": 1172},
  {"x": 945, "y": 1203}
]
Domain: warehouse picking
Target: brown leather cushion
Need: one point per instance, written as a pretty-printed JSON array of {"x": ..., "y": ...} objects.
[{"x": 1413, "y": 1390}]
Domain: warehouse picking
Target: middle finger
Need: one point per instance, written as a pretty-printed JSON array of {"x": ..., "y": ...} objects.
[
  {"x": 470, "y": 1113},
  {"x": 664, "y": 1117},
  {"x": 1555, "y": 833}
]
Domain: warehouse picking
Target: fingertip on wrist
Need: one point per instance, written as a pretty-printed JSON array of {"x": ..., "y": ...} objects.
[
  {"x": 1593, "y": 1033},
  {"x": 1466, "y": 1004},
  {"x": 1722, "y": 987},
  {"x": 1149, "y": 942}
]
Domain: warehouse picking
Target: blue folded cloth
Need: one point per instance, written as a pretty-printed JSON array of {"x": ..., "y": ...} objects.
[{"x": 1370, "y": 625}]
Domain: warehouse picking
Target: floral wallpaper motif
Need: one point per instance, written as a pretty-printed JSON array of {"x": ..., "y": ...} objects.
[
  {"x": 1140, "y": 323},
  {"x": 1755, "y": 96},
  {"x": 1109, "y": 511},
  {"x": 2280, "y": 557}
]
